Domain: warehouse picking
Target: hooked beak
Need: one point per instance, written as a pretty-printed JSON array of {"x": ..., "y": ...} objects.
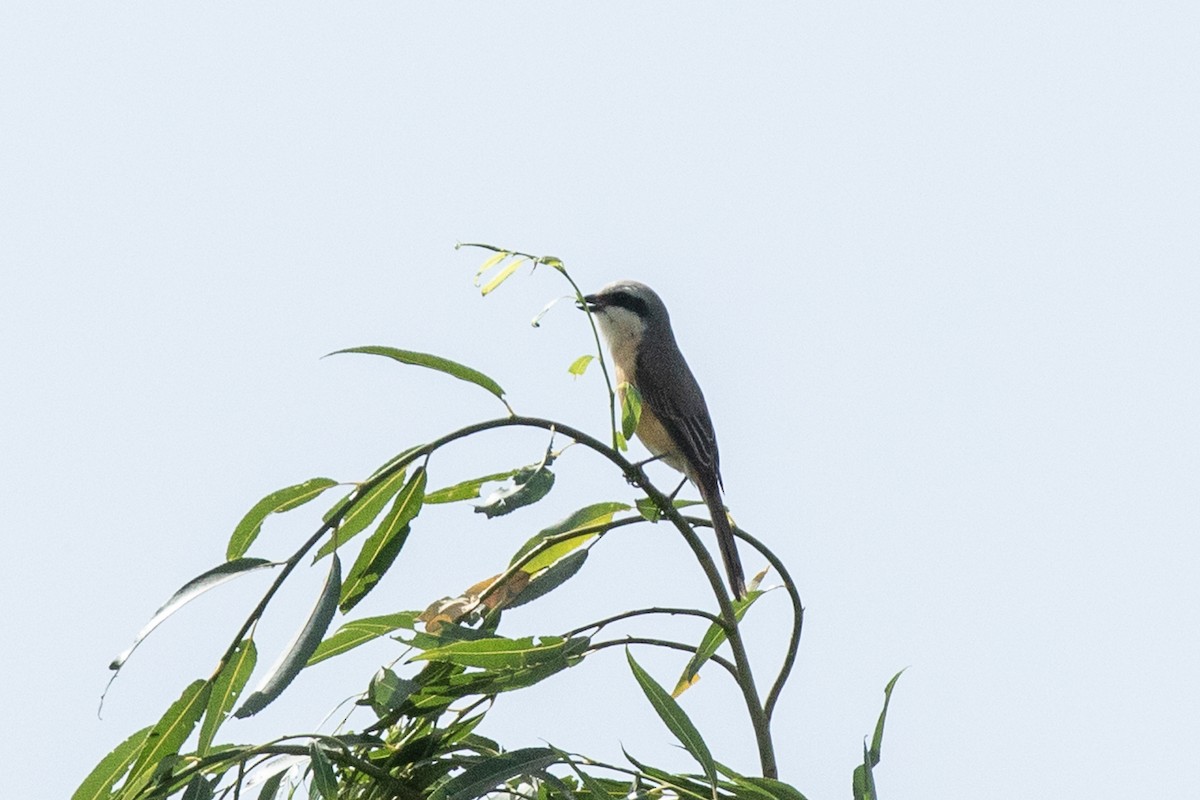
[{"x": 591, "y": 302}]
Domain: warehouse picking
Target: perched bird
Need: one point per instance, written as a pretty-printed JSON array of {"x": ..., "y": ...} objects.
[{"x": 674, "y": 424}]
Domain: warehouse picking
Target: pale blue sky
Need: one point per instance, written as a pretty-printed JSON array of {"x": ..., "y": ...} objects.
[{"x": 937, "y": 267}]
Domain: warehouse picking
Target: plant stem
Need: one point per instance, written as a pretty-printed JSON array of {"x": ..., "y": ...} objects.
[
  {"x": 600, "y": 623},
  {"x": 758, "y": 717},
  {"x": 687, "y": 648}
]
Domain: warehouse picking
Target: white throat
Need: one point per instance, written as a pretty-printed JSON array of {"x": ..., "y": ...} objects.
[{"x": 623, "y": 331}]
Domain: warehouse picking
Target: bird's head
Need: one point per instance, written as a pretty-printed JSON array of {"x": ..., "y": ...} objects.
[{"x": 626, "y": 309}]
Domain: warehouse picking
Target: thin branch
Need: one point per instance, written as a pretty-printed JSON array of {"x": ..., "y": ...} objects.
[
  {"x": 600, "y": 623},
  {"x": 758, "y": 718},
  {"x": 789, "y": 658},
  {"x": 687, "y": 648},
  {"x": 612, "y": 394},
  {"x": 632, "y": 472}
]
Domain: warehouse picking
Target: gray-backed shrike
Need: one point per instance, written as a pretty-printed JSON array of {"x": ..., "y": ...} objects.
[{"x": 674, "y": 424}]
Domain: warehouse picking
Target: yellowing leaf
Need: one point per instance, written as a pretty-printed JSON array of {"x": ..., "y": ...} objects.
[
  {"x": 502, "y": 276},
  {"x": 580, "y": 365},
  {"x": 491, "y": 262}
]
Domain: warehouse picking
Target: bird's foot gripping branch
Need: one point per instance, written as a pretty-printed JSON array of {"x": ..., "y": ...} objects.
[{"x": 413, "y": 731}]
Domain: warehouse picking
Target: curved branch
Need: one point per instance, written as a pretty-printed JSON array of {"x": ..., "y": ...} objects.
[
  {"x": 789, "y": 658},
  {"x": 635, "y": 474},
  {"x": 600, "y": 623},
  {"x": 341, "y": 754},
  {"x": 687, "y": 648}
]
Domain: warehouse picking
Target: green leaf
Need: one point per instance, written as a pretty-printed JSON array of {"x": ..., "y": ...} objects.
[
  {"x": 382, "y": 547},
  {"x": 649, "y": 509},
  {"x": 595, "y": 788},
  {"x": 301, "y": 648},
  {"x": 501, "y": 653},
  {"x": 862, "y": 783},
  {"x": 586, "y": 517},
  {"x": 324, "y": 781},
  {"x": 388, "y": 691},
  {"x": 171, "y": 731},
  {"x": 679, "y": 784},
  {"x": 529, "y": 486},
  {"x": 551, "y": 579},
  {"x": 877, "y": 739},
  {"x": 469, "y": 489},
  {"x": 100, "y": 781},
  {"x": 364, "y": 508},
  {"x": 580, "y": 365},
  {"x": 189, "y": 592},
  {"x": 198, "y": 788},
  {"x": 453, "y": 368},
  {"x": 489, "y": 772},
  {"x": 713, "y": 638},
  {"x": 270, "y": 786},
  {"x": 631, "y": 409},
  {"x": 502, "y": 275},
  {"x": 276, "y": 502},
  {"x": 675, "y": 719},
  {"x": 352, "y": 634},
  {"x": 770, "y": 788},
  {"x": 226, "y": 689},
  {"x": 863, "y": 780}
]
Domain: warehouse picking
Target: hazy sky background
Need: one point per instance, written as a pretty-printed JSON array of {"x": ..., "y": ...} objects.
[{"x": 936, "y": 265}]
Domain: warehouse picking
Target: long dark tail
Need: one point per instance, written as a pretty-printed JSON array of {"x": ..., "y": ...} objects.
[{"x": 726, "y": 542}]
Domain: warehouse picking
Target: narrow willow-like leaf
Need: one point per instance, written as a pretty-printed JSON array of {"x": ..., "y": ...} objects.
[
  {"x": 362, "y": 513},
  {"x": 551, "y": 579},
  {"x": 649, "y": 509},
  {"x": 467, "y": 490},
  {"x": 489, "y": 263},
  {"x": 500, "y": 653},
  {"x": 189, "y": 592},
  {"x": 361, "y": 631},
  {"x": 301, "y": 648},
  {"x": 528, "y": 487},
  {"x": 631, "y": 409},
  {"x": 679, "y": 783},
  {"x": 98, "y": 785},
  {"x": 198, "y": 788},
  {"x": 769, "y": 787},
  {"x": 171, "y": 731},
  {"x": 502, "y": 275},
  {"x": 877, "y": 739},
  {"x": 580, "y": 365},
  {"x": 489, "y": 772},
  {"x": 227, "y": 688},
  {"x": 381, "y": 548},
  {"x": 452, "y": 368},
  {"x": 863, "y": 780},
  {"x": 595, "y": 788},
  {"x": 275, "y": 503},
  {"x": 713, "y": 638},
  {"x": 324, "y": 781},
  {"x": 271, "y": 775},
  {"x": 676, "y": 720},
  {"x": 586, "y": 517},
  {"x": 862, "y": 783}
]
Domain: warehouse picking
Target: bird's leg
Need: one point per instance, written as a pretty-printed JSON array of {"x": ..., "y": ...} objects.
[
  {"x": 671, "y": 496},
  {"x": 635, "y": 469},
  {"x": 649, "y": 460}
]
